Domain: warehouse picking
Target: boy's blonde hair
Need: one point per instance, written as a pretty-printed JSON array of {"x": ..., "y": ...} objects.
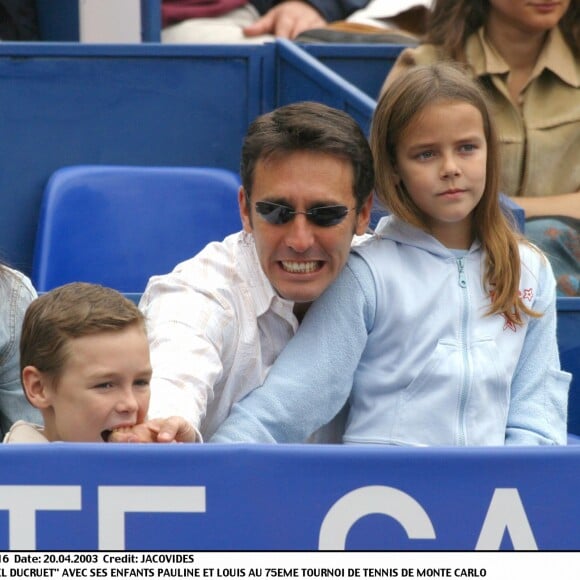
[
  {"x": 403, "y": 100},
  {"x": 71, "y": 311}
]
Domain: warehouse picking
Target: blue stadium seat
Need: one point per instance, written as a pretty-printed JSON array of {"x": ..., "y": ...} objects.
[
  {"x": 569, "y": 347},
  {"x": 118, "y": 225}
]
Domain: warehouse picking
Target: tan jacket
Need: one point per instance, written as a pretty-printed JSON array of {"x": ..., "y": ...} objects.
[{"x": 540, "y": 136}]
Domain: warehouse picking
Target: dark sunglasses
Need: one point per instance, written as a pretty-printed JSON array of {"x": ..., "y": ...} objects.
[{"x": 324, "y": 216}]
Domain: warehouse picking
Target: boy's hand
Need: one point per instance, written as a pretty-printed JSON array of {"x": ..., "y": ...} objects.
[{"x": 170, "y": 430}]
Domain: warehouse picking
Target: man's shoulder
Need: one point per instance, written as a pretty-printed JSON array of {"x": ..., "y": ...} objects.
[
  {"x": 225, "y": 259},
  {"x": 220, "y": 272}
]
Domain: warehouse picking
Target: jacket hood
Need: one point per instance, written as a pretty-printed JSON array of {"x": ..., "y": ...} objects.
[{"x": 393, "y": 228}]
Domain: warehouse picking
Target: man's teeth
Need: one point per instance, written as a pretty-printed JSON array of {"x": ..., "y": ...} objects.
[{"x": 300, "y": 267}]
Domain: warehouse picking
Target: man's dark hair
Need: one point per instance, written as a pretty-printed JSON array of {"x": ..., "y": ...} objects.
[{"x": 309, "y": 126}]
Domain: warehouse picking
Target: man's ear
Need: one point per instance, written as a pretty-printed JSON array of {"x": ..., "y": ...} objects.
[
  {"x": 245, "y": 210},
  {"x": 364, "y": 216},
  {"x": 37, "y": 387}
]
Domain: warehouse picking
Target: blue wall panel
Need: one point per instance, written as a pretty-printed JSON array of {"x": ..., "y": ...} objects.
[
  {"x": 144, "y": 105},
  {"x": 74, "y": 104},
  {"x": 301, "y": 77},
  {"x": 366, "y": 66},
  {"x": 309, "y": 497}
]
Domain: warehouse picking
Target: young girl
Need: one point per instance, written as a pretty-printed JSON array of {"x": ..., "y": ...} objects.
[
  {"x": 441, "y": 329},
  {"x": 527, "y": 54}
]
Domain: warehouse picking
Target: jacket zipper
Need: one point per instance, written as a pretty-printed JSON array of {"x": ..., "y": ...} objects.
[{"x": 462, "y": 280}]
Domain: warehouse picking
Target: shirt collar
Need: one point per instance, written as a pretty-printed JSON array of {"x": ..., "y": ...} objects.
[
  {"x": 264, "y": 295},
  {"x": 556, "y": 56},
  {"x": 483, "y": 57}
]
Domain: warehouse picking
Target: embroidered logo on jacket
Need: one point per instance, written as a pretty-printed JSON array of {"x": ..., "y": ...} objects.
[{"x": 527, "y": 295}]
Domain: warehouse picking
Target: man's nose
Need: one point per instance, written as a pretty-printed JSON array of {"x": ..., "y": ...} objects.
[{"x": 300, "y": 234}]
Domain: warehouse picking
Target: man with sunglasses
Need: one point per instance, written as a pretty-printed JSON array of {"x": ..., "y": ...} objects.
[{"x": 219, "y": 320}]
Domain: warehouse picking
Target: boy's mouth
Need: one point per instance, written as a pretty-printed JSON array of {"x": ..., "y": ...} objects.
[{"x": 105, "y": 434}]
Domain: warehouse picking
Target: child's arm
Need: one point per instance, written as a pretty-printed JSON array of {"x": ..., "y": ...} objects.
[
  {"x": 313, "y": 376},
  {"x": 539, "y": 391}
]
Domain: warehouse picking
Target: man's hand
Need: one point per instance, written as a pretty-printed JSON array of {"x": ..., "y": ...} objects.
[
  {"x": 287, "y": 20},
  {"x": 170, "y": 430}
]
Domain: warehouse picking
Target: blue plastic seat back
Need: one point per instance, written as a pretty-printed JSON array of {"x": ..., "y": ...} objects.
[
  {"x": 117, "y": 225},
  {"x": 569, "y": 348}
]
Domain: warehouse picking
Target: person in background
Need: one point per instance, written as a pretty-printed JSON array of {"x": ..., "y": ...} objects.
[
  {"x": 16, "y": 293},
  {"x": 218, "y": 322},
  {"x": 399, "y": 22},
  {"x": 238, "y": 21},
  {"x": 84, "y": 360},
  {"x": 441, "y": 329},
  {"x": 527, "y": 56}
]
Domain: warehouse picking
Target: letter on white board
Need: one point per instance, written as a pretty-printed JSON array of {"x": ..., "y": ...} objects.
[
  {"x": 116, "y": 501},
  {"x": 506, "y": 512},
  {"x": 22, "y": 503},
  {"x": 373, "y": 499}
]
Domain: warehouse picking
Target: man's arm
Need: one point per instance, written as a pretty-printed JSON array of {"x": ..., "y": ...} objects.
[
  {"x": 289, "y": 18},
  {"x": 189, "y": 331},
  {"x": 313, "y": 376}
]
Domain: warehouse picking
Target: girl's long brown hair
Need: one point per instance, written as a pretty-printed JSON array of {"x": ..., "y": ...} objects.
[
  {"x": 452, "y": 21},
  {"x": 406, "y": 97}
]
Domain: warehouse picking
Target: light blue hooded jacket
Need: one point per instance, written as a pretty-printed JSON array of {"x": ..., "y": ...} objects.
[{"x": 404, "y": 336}]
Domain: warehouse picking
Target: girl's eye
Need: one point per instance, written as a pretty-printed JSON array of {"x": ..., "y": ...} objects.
[
  {"x": 104, "y": 386},
  {"x": 424, "y": 155},
  {"x": 142, "y": 383},
  {"x": 468, "y": 147}
]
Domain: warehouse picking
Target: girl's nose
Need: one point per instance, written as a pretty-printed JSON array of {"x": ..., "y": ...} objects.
[{"x": 449, "y": 167}]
